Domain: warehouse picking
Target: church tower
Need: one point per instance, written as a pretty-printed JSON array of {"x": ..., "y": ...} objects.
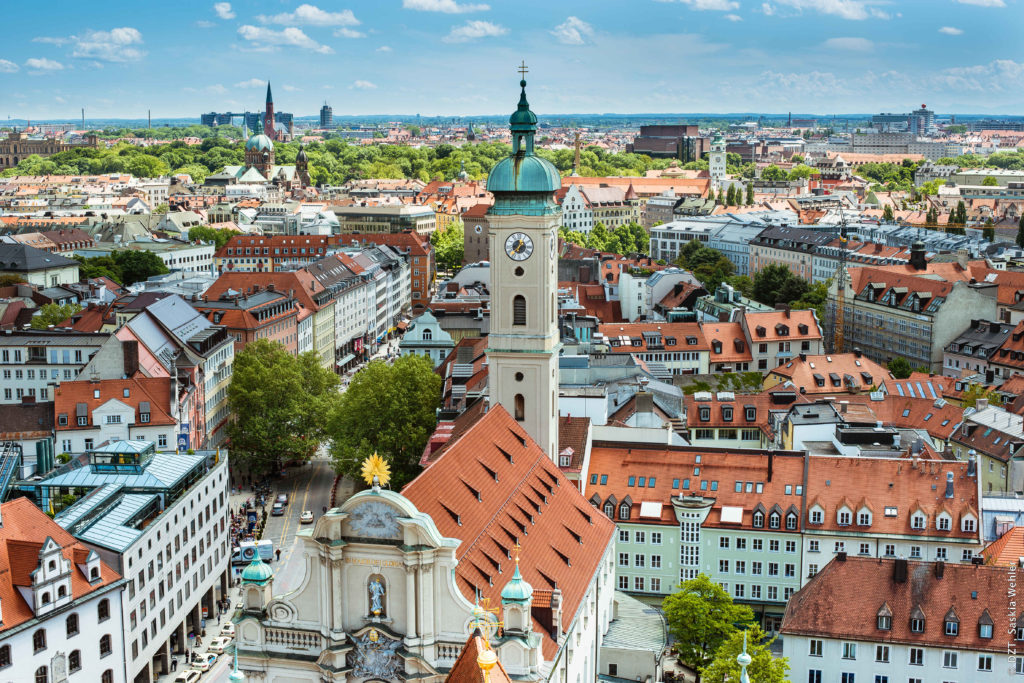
[
  {"x": 523, "y": 343},
  {"x": 268, "y": 115},
  {"x": 716, "y": 162}
]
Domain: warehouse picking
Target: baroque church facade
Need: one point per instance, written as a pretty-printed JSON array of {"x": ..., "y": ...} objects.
[{"x": 491, "y": 535}]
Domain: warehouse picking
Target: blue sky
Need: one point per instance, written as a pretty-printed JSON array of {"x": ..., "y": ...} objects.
[{"x": 457, "y": 57}]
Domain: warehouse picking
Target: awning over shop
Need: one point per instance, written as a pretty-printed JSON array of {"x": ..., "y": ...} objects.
[{"x": 346, "y": 360}]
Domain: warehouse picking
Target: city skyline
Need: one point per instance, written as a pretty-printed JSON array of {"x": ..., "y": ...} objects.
[{"x": 448, "y": 58}]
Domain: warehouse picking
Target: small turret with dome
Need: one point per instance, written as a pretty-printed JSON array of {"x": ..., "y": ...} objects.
[
  {"x": 516, "y": 602},
  {"x": 463, "y": 176},
  {"x": 257, "y": 585},
  {"x": 523, "y": 183},
  {"x": 257, "y": 572}
]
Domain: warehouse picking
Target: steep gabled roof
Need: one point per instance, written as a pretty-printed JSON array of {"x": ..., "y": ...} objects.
[{"x": 493, "y": 487}]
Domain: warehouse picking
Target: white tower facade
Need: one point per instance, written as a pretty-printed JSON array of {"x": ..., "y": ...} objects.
[
  {"x": 523, "y": 344},
  {"x": 716, "y": 162}
]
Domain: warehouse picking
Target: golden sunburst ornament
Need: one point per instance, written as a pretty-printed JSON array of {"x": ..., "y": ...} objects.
[{"x": 376, "y": 471}]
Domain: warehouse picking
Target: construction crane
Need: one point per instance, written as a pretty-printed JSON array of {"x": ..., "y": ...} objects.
[{"x": 839, "y": 317}]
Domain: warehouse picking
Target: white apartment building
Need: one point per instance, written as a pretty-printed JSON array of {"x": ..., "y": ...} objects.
[
  {"x": 61, "y": 611},
  {"x": 894, "y": 621},
  {"x": 170, "y": 543},
  {"x": 577, "y": 214},
  {"x": 34, "y": 363}
]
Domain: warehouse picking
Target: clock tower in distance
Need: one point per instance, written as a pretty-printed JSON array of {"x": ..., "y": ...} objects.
[{"x": 523, "y": 343}]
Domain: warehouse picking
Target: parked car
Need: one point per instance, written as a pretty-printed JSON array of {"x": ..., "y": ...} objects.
[
  {"x": 203, "y": 661},
  {"x": 228, "y": 629},
  {"x": 282, "y": 498},
  {"x": 277, "y": 510},
  {"x": 218, "y": 645},
  {"x": 306, "y": 517},
  {"x": 188, "y": 676}
]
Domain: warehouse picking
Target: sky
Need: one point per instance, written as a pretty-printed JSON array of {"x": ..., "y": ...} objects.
[{"x": 459, "y": 57}]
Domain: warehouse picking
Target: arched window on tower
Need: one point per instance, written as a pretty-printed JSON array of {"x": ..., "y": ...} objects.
[
  {"x": 427, "y": 335},
  {"x": 519, "y": 310},
  {"x": 520, "y": 407}
]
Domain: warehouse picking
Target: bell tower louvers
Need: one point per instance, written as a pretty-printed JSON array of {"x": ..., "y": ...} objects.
[{"x": 523, "y": 343}]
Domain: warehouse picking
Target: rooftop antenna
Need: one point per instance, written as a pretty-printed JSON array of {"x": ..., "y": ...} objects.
[
  {"x": 839, "y": 317},
  {"x": 83, "y": 118},
  {"x": 149, "y": 117}
]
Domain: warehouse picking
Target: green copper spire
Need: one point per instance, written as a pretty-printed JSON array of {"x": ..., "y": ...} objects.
[
  {"x": 236, "y": 676},
  {"x": 523, "y": 183}
]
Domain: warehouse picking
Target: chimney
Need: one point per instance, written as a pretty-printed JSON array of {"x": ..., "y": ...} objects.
[
  {"x": 949, "y": 484},
  {"x": 940, "y": 569},
  {"x": 556, "y": 613},
  {"x": 130, "y": 354},
  {"x": 803, "y": 357},
  {"x": 917, "y": 261},
  {"x": 899, "y": 570},
  {"x": 841, "y": 556},
  {"x": 972, "y": 463},
  {"x": 981, "y": 404},
  {"x": 857, "y": 353},
  {"x": 771, "y": 463}
]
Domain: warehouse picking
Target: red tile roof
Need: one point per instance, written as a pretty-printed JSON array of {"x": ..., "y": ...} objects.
[
  {"x": 154, "y": 390},
  {"x": 761, "y": 403},
  {"x": 844, "y": 599},
  {"x": 25, "y": 528},
  {"x": 682, "y": 333},
  {"x": 1006, "y": 550},
  {"x": 573, "y": 434},
  {"x": 728, "y": 343},
  {"x": 466, "y": 670},
  {"x": 805, "y": 373},
  {"x": 492, "y": 487},
  {"x": 794, "y": 325}
]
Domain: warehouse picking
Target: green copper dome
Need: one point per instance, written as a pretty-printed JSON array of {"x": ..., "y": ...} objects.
[
  {"x": 258, "y": 572},
  {"x": 523, "y": 183},
  {"x": 260, "y": 142},
  {"x": 516, "y": 590}
]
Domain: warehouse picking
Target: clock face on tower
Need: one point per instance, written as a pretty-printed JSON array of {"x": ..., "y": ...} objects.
[{"x": 519, "y": 246}]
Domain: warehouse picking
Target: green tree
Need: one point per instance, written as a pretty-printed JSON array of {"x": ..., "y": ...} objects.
[
  {"x": 9, "y": 279},
  {"x": 887, "y": 214},
  {"x": 989, "y": 233},
  {"x": 136, "y": 266},
  {"x": 750, "y": 194},
  {"x": 797, "y": 159},
  {"x": 147, "y": 166},
  {"x": 598, "y": 236},
  {"x": 763, "y": 667},
  {"x": 414, "y": 131},
  {"x": 708, "y": 265},
  {"x": 730, "y": 196},
  {"x": 572, "y": 236},
  {"x": 721, "y": 197},
  {"x": 773, "y": 172},
  {"x": 208, "y": 234},
  {"x": 1020, "y": 232},
  {"x": 701, "y": 617},
  {"x": 99, "y": 266},
  {"x": 389, "y": 410},
  {"x": 815, "y": 298},
  {"x": 801, "y": 171},
  {"x": 989, "y": 181},
  {"x": 277, "y": 403},
  {"x": 976, "y": 391},
  {"x": 775, "y": 283},
  {"x": 449, "y": 245},
  {"x": 899, "y": 367},
  {"x": 53, "y": 314}
]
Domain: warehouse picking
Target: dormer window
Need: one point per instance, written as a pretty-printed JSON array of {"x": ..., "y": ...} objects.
[
  {"x": 943, "y": 522},
  {"x": 952, "y": 623},
  {"x": 774, "y": 520},
  {"x": 864, "y": 518},
  {"x": 609, "y": 509},
  {"x": 917, "y": 621},
  {"x": 623, "y": 511},
  {"x": 817, "y": 516},
  {"x": 844, "y": 517},
  {"x": 917, "y": 521},
  {"x": 968, "y": 524},
  {"x": 884, "y": 619},
  {"x": 758, "y": 520},
  {"x": 705, "y": 413},
  {"x": 750, "y": 413},
  {"x": 727, "y": 413},
  {"x": 791, "y": 521},
  {"x": 985, "y": 625}
]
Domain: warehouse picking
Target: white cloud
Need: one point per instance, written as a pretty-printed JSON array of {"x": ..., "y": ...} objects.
[
  {"x": 446, "y": 6},
  {"x": 251, "y": 83},
  {"x": 291, "y": 88},
  {"x": 472, "y": 30},
  {"x": 950, "y": 31},
  {"x": 291, "y": 36},
  {"x": 983, "y": 3},
  {"x": 115, "y": 45},
  {"x": 850, "y": 44},
  {"x": 216, "y": 89},
  {"x": 7, "y": 66},
  {"x": 364, "y": 85},
  {"x": 384, "y": 48},
  {"x": 856, "y": 10},
  {"x": 767, "y": 9},
  {"x": 348, "y": 33},
  {"x": 311, "y": 15},
  {"x": 203, "y": 23},
  {"x": 573, "y": 31},
  {"x": 39, "y": 64},
  {"x": 60, "y": 100},
  {"x": 223, "y": 10},
  {"x": 733, "y": 17},
  {"x": 999, "y": 75},
  {"x": 715, "y": 5}
]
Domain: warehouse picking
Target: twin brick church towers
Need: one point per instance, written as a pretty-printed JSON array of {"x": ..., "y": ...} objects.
[{"x": 523, "y": 344}]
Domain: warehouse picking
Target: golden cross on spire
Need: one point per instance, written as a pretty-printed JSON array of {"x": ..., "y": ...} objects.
[
  {"x": 515, "y": 549},
  {"x": 522, "y": 69}
]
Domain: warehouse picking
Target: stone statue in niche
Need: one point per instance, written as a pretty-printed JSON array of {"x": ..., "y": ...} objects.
[{"x": 377, "y": 591}]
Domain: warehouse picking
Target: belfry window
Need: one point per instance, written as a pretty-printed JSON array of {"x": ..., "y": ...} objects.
[
  {"x": 519, "y": 310},
  {"x": 520, "y": 407}
]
